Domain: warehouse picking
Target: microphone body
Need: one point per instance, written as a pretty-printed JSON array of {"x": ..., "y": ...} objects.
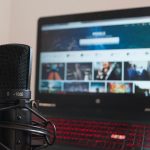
[
  {"x": 16, "y": 139},
  {"x": 18, "y": 130},
  {"x": 14, "y": 79}
]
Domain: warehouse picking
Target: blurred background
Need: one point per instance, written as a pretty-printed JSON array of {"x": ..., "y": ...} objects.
[{"x": 19, "y": 17}]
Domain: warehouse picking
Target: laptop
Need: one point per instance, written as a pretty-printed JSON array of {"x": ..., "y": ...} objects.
[{"x": 93, "y": 79}]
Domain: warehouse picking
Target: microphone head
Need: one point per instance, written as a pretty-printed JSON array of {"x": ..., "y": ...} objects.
[{"x": 15, "y": 66}]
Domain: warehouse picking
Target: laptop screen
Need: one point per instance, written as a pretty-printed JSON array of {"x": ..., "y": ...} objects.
[{"x": 95, "y": 56}]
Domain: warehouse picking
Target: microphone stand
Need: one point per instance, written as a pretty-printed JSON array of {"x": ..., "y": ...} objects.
[{"x": 37, "y": 128}]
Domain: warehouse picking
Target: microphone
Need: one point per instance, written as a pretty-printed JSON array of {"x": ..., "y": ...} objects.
[{"x": 18, "y": 131}]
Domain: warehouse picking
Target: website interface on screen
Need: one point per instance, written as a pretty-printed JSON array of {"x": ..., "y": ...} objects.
[{"x": 111, "y": 56}]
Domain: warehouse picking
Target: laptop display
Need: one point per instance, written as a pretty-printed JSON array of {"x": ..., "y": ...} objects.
[{"x": 95, "y": 56}]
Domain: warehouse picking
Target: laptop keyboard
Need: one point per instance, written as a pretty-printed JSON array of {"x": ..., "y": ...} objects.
[{"x": 102, "y": 135}]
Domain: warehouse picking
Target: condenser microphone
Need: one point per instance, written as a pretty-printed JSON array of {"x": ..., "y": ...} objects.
[{"x": 17, "y": 129}]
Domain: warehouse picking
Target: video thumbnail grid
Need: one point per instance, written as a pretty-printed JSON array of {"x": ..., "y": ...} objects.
[{"x": 111, "y": 77}]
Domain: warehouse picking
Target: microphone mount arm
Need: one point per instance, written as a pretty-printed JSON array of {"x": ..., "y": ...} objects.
[{"x": 37, "y": 128}]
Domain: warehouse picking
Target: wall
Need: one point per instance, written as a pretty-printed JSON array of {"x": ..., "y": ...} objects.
[
  {"x": 25, "y": 14},
  {"x": 5, "y": 11}
]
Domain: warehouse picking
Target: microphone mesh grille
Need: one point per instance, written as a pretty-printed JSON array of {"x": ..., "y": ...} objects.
[{"x": 14, "y": 66}]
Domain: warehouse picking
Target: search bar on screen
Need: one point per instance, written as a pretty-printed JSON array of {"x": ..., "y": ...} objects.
[{"x": 99, "y": 41}]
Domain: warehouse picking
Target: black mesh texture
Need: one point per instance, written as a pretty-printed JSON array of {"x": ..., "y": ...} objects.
[{"x": 14, "y": 66}]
